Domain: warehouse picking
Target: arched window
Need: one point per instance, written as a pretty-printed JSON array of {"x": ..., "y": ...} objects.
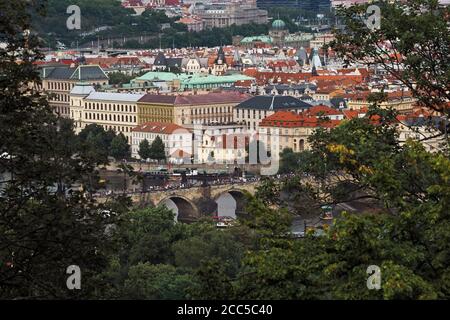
[{"x": 302, "y": 145}]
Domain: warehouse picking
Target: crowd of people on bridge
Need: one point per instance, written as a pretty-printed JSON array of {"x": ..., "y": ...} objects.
[{"x": 177, "y": 185}]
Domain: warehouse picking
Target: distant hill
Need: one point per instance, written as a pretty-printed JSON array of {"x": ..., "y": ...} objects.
[
  {"x": 107, "y": 19},
  {"x": 94, "y": 14}
]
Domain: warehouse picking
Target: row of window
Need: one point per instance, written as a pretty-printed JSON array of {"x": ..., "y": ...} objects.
[
  {"x": 60, "y": 97},
  {"x": 60, "y": 86},
  {"x": 215, "y": 110},
  {"x": 240, "y": 113},
  {"x": 213, "y": 120},
  {"x": 286, "y": 131},
  {"x": 157, "y": 112},
  {"x": 110, "y": 107},
  {"x": 109, "y": 117},
  {"x": 61, "y": 110}
]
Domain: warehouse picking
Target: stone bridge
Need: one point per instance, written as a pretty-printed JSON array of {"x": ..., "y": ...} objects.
[{"x": 192, "y": 203}]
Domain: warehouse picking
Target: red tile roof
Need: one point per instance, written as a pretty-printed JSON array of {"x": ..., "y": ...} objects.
[
  {"x": 288, "y": 119},
  {"x": 158, "y": 98},
  {"x": 180, "y": 154},
  {"x": 212, "y": 98},
  {"x": 198, "y": 99},
  {"x": 316, "y": 110},
  {"x": 159, "y": 127}
]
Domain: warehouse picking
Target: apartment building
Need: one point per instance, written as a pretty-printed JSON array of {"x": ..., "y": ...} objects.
[
  {"x": 185, "y": 110},
  {"x": 220, "y": 143},
  {"x": 401, "y": 101},
  {"x": 115, "y": 111},
  {"x": 291, "y": 130},
  {"x": 177, "y": 140},
  {"x": 225, "y": 14},
  {"x": 58, "y": 81},
  {"x": 252, "y": 111}
]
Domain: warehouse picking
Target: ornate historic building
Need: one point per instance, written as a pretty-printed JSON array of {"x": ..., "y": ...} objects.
[
  {"x": 185, "y": 110},
  {"x": 238, "y": 12},
  {"x": 115, "y": 111},
  {"x": 279, "y": 36},
  {"x": 58, "y": 81}
]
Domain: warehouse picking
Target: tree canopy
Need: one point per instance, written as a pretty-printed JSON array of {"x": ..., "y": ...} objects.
[
  {"x": 411, "y": 45},
  {"x": 46, "y": 223},
  {"x": 157, "y": 149}
]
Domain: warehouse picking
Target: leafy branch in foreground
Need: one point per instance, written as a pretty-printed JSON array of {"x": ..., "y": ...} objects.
[{"x": 412, "y": 45}]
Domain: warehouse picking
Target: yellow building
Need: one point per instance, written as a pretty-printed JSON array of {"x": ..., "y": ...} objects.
[
  {"x": 112, "y": 111},
  {"x": 213, "y": 107},
  {"x": 400, "y": 101},
  {"x": 156, "y": 108}
]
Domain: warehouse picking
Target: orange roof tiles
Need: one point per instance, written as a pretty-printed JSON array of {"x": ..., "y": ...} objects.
[
  {"x": 324, "y": 110},
  {"x": 158, "y": 127},
  {"x": 288, "y": 119}
]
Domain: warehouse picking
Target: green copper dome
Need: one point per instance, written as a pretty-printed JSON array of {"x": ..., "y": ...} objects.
[{"x": 278, "y": 24}]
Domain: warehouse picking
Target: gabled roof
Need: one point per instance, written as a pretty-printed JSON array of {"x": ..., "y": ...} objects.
[
  {"x": 288, "y": 119},
  {"x": 82, "y": 89},
  {"x": 160, "y": 60},
  {"x": 89, "y": 72},
  {"x": 200, "y": 99},
  {"x": 159, "y": 127},
  {"x": 273, "y": 103},
  {"x": 322, "y": 109},
  {"x": 82, "y": 73},
  {"x": 212, "y": 98}
]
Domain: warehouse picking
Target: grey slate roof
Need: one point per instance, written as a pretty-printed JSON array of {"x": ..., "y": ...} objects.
[
  {"x": 161, "y": 60},
  {"x": 338, "y": 102},
  {"x": 273, "y": 103},
  {"x": 82, "y": 72},
  {"x": 89, "y": 73}
]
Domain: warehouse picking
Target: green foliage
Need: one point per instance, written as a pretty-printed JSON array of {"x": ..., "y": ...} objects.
[
  {"x": 156, "y": 282},
  {"x": 146, "y": 236},
  {"x": 95, "y": 143},
  {"x": 46, "y": 225},
  {"x": 418, "y": 34},
  {"x": 213, "y": 281},
  {"x": 120, "y": 149},
  {"x": 157, "y": 149},
  {"x": 122, "y": 22},
  {"x": 145, "y": 152},
  {"x": 268, "y": 192},
  {"x": 193, "y": 252},
  {"x": 119, "y": 78},
  {"x": 145, "y": 254},
  {"x": 265, "y": 220}
]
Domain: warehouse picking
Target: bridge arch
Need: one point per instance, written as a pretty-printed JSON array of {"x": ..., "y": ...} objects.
[
  {"x": 231, "y": 202},
  {"x": 185, "y": 210}
]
